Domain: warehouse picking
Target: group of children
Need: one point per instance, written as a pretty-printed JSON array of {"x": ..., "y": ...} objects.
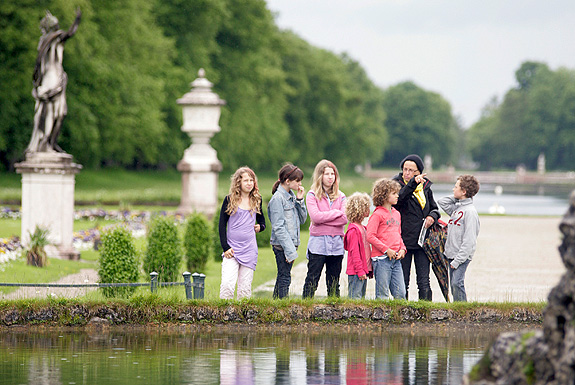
[{"x": 374, "y": 250}]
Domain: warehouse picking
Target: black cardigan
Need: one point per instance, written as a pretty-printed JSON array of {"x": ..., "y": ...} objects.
[
  {"x": 223, "y": 224},
  {"x": 412, "y": 215}
]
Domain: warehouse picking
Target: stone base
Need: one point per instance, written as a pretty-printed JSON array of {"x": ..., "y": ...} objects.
[
  {"x": 199, "y": 187},
  {"x": 48, "y": 180}
]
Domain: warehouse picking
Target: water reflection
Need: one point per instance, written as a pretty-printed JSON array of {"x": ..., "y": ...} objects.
[{"x": 339, "y": 354}]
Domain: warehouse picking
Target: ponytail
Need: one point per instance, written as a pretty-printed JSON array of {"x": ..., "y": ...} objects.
[{"x": 275, "y": 186}]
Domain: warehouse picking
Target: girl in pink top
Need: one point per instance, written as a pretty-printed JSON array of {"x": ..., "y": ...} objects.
[
  {"x": 326, "y": 208},
  {"x": 358, "y": 249},
  {"x": 384, "y": 235}
]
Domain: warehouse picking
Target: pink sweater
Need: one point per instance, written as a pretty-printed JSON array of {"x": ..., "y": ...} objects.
[
  {"x": 358, "y": 250},
  {"x": 326, "y": 219},
  {"x": 384, "y": 231}
]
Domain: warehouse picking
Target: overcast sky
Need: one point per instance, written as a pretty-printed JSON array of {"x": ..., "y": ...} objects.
[{"x": 465, "y": 50}]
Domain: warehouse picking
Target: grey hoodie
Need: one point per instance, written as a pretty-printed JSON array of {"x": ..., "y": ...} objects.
[{"x": 462, "y": 230}]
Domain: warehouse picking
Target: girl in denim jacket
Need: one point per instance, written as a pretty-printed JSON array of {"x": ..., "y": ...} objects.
[{"x": 286, "y": 212}]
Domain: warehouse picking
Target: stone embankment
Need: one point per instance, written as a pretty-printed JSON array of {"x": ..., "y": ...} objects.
[{"x": 72, "y": 313}]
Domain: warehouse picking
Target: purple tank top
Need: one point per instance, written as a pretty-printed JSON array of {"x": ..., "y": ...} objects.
[{"x": 242, "y": 237}]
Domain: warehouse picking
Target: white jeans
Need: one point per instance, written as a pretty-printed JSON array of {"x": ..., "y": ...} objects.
[{"x": 233, "y": 272}]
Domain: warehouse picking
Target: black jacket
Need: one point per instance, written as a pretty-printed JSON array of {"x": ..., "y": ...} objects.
[{"x": 412, "y": 215}]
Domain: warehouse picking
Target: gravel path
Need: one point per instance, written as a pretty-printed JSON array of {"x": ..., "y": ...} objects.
[
  {"x": 516, "y": 260},
  {"x": 84, "y": 276}
]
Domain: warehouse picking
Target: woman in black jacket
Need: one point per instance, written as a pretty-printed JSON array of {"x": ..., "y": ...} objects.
[{"x": 417, "y": 207}]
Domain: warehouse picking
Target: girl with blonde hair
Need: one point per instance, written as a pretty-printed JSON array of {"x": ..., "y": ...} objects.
[
  {"x": 326, "y": 208},
  {"x": 240, "y": 219}
]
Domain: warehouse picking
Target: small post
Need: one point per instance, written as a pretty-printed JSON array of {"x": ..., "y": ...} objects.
[
  {"x": 196, "y": 286},
  {"x": 153, "y": 281},
  {"x": 201, "y": 280},
  {"x": 187, "y": 284}
]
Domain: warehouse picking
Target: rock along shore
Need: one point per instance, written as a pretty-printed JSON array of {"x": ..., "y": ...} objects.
[{"x": 63, "y": 313}]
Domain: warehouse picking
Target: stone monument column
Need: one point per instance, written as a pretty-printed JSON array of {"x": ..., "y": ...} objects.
[
  {"x": 200, "y": 165},
  {"x": 48, "y": 181}
]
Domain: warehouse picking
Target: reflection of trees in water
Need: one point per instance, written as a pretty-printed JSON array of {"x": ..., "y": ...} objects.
[{"x": 282, "y": 355}]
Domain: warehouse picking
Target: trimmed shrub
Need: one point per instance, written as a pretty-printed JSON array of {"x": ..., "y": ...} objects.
[
  {"x": 198, "y": 242},
  {"x": 164, "y": 252},
  {"x": 118, "y": 261}
]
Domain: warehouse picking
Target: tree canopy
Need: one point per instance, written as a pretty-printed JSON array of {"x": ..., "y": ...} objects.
[
  {"x": 286, "y": 99},
  {"x": 536, "y": 117},
  {"x": 418, "y": 122}
]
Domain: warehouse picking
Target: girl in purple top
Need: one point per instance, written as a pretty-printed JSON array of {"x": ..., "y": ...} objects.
[{"x": 240, "y": 219}]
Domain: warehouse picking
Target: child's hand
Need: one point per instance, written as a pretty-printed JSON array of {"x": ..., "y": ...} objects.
[
  {"x": 257, "y": 228},
  {"x": 391, "y": 254},
  {"x": 300, "y": 192},
  {"x": 401, "y": 254}
]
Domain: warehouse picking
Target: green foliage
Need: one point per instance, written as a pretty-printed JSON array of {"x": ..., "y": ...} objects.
[
  {"x": 119, "y": 261},
  {"x": 35, "y": 253},
  {"x": 164, "y": 252},
  {"x": 198, "y": 242},
  {"x": 419, "y": 122},
  {"x": 129, "y": 62},
  {"x": 535, "y": 118}
]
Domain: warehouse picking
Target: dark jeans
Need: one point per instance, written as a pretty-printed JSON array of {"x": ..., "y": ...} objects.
[
  {"x": 421, "y": 271},
  {"x": 283, "y": 280},
  {"x": 332, "y": 271}
]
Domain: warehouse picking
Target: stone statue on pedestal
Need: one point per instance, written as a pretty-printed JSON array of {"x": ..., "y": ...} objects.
[
  {"x": 48, "y": 173},
  {"x": 50, "y": 82}
]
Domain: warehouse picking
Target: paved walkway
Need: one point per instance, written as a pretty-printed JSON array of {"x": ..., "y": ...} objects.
[
  {"x": 516, "y": 260},
  {"x": 84, "y": 276}
]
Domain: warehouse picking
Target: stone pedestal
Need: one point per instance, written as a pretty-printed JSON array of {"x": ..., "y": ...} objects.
[
  {"x": 199, "y": 167},
  {"x": 48, "y": 180}
]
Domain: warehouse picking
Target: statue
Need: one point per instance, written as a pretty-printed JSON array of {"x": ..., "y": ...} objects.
[{"x": 50, "y": 85}]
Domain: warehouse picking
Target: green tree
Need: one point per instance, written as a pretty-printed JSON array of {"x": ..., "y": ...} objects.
[
  {"x": 420, "y": 122},
  {"x": 534, "y": 118}
]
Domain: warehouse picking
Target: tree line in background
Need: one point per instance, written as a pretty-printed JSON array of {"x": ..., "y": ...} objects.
[
  {"x": 286, "y": 99},
  {"x": 536, "y": 117}
]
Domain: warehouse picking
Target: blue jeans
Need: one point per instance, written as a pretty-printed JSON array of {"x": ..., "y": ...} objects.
[
  {"x": 457, "y": 281},
  {"x": 356, "y": 287},
  {"x": 283, "y": 280},
  {"x": 388, "y": 278}
]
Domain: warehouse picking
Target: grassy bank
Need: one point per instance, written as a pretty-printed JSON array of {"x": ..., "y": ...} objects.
[{"x": 151, "y": 309}]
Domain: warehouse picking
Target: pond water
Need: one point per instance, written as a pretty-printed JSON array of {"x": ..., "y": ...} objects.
[
  {"x": 549, "y": 201},
  {"x": 335, "y": 355}
]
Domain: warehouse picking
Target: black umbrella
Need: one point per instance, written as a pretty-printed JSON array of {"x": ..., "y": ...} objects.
[{"x": 434, "y": 246}]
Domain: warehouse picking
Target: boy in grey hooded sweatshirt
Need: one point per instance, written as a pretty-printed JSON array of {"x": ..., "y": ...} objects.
[{"x": 462, "y": 231}]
